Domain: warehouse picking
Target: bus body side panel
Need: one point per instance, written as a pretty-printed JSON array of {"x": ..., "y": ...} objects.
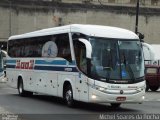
[
  {"x": 44, "y": 82},
  {"x": 11, "y": 73},
  {"x": 82, "y": 89},
  {"x": 44, "y": 77},
  {"x": 12, "y": 77},
  {"x": 50, "y": 85}
]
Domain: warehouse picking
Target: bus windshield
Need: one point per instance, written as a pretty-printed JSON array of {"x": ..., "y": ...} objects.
[{"x": 116, "y": 60}]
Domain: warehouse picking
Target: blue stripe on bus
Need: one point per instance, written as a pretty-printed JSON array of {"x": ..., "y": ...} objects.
[
  {"x": 10, "y": 61},
  {"x": 44, "y": 62},
  {"x": 10, "y": 66},
  {"x": 53, "y": 68},
  {"x": 55, "y": 62},
  {"x": 49, "y": 68}
]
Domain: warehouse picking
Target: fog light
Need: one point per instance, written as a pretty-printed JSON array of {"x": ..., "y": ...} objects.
[{"x": 94, "y": 96}]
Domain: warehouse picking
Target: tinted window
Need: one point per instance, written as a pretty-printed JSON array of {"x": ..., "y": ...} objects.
[
  {"x": 35, "y": 47},
  {"x": 80, "y": 55}
]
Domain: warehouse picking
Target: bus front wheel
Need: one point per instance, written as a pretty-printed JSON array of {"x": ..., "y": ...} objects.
[
  {"x": 115, "y": 105},
  {"x": 69, "y": 96}
]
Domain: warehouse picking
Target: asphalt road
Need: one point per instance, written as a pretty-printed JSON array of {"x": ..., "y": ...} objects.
[{"x": 53, "y": 108}]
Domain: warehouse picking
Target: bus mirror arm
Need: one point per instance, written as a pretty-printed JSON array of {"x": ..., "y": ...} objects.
[{"x": 88, "y": 47}]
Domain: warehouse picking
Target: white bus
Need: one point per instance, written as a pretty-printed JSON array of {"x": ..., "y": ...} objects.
[{"x": 88, "y": 63}]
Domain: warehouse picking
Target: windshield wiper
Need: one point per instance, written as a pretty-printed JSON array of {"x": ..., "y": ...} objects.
[
  {"x": 108, "y": 69},
  {"x": 131, "y": 73}
]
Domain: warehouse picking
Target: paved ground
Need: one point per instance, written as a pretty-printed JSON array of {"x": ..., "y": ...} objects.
[{"x": 47, "y": 107}]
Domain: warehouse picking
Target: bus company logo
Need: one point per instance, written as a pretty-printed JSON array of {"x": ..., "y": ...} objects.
[
  {"x": 24, "y": 65},
  {"x": 115, "y": 86},
  {"x": 121, "y": 92}
]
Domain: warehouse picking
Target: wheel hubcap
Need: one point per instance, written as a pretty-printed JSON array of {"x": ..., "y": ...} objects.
[
  {"x": 68, "y": 96},
  {"x": 20, "y": 88}
]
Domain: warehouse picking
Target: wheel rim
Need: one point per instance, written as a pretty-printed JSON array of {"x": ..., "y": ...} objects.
[
  {"x": 20, "y": 88},
  {"x": 69, "y": 96}
]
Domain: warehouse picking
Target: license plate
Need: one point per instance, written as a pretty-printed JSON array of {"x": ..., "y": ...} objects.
[{"x": 120, "y": 98}]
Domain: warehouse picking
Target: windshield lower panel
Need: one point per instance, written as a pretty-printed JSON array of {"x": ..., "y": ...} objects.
[{"x": 116, "y": 61}]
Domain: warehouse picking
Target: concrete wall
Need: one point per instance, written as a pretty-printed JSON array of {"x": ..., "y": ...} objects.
[
  {"x": 150, "y": 3},
  {"x": 17, "y": 18}
]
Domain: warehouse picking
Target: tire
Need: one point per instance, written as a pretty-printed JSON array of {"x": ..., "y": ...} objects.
[
  {"x": 68, "y": 96},
  {"x": 21, "y": 90},
  {"x": 115, "y": 105},
  {"x": 154, "y": 88}
]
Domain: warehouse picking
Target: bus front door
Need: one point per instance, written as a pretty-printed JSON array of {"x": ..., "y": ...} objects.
[{"x": 82, "y": 90}]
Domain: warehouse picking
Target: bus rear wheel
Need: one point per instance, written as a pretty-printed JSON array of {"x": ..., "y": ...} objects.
[
  {"x": 21, "y": 90},
  {"x": 68, "y": 96}
]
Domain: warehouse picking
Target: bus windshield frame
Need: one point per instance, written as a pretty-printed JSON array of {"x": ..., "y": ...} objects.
[{"x": 118, "y": 61}]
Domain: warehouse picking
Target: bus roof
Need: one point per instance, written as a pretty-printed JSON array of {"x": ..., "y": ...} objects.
[{"x": 91, "y": 30}]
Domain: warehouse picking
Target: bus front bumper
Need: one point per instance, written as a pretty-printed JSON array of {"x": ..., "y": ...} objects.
[{"x": 97, "y": 96}]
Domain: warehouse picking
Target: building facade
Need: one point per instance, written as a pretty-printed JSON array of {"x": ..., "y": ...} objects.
[
  {"x": 147, "y": 3},
  {"x": 21, "y": 16}
]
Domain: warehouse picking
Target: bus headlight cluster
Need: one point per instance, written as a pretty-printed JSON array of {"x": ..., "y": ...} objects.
[
  {"x": 102, "y": 89},
  {"x": 94, "y": 96},
  {"x": 141, "y": 89}
]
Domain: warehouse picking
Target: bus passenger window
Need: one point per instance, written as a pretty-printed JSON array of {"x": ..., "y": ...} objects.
[{"x": 62, "y": 41}]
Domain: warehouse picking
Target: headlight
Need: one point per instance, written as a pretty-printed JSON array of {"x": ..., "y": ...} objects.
[
  {"x": 102, "y": 89},
  {"x": 94, "y": 96},
  {"x": 141, "y": 88}
]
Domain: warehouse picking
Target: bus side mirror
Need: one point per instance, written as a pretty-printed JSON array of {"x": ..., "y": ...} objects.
[
  {"x": 141, "y": 36},
  {"x": 88, "y": 47}
]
